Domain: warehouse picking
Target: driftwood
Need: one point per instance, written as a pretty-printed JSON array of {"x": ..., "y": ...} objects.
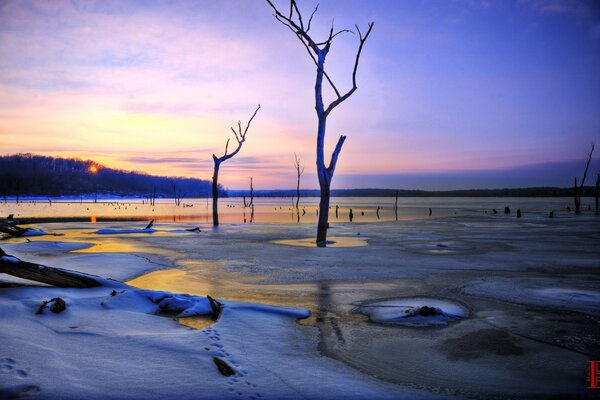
[
  {"x": 224, "y": 368},
  {"x": 215, "y": 307},
  {"x": 12, "y": 230},
  {"x": 149, "y": 225},
  {"x": 40, "y": 273},
  {"x": 58, "y": 306}
]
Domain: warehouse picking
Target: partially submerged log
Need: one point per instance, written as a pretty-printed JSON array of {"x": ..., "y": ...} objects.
[
  {"x": 40, "y": 273},
  {"x": 149, "y": 225},
  {"x": 12, "y": 230}
]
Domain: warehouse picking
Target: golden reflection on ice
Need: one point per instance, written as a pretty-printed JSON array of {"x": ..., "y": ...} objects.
[
  {"x": 110, "y": 246},
  {"x": 196, "y": 322}
]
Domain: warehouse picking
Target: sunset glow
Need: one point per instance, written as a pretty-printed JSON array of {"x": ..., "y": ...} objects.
[{"x": 444, "y": 88}]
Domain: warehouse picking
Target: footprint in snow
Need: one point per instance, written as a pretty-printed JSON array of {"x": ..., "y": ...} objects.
[
  {"x": 8, "y": 366},
  {"x": 236, "y": 383}
]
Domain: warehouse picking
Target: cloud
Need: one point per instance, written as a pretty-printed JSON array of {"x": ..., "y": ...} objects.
[{"x": 163, "y": 160}]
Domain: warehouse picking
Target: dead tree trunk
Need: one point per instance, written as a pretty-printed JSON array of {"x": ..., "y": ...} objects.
[
  {"x": 299, "y": 172},
  {"x": 396, "y": 207},
  {"x": 318, "y": 52},
  {"x": 251, "y": 194},
  {"x": 240, "y": 137},
  {"x": 597, "y": 193},
  {"x": 40, "y": 273},
  {"x": 579, "y": 191}
]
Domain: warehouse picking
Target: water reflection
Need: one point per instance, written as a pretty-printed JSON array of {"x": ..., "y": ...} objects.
[{"x": 271, "y": 210}]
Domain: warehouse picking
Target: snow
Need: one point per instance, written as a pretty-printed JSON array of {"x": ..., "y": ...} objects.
[
  {"x": 405, "y": 311},
  {"x": 9, "y": 259},
  {"x": 109, "y": 347},
  {"x": 34, "y": 232},
  {"x": 123, "y": 231}
]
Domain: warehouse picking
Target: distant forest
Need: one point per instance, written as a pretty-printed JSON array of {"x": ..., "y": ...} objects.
[
  {"x": 588, "y": 191},
  {"x": 33, "y": 175}
]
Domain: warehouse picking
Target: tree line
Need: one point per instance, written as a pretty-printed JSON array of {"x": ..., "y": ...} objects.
[{"x": 34, "y": 175}]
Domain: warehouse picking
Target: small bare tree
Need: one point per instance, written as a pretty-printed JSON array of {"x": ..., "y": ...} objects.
[
  {"x": 240, "y": 137},
  {"x": 299, "y": 172},
  {"x": 318, "y": 51},
  {"x": 578, "y": 191},
  {"x": 177, "y": 194}
]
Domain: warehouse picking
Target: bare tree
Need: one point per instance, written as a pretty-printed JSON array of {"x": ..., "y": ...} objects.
[
  {"x": 597, "y": 192},
  {"x": 318, "y": 51},
  {"x": 299, "y": 172},
  {"x": 240, "y": 137},
  {"x": 177, "y": 194},
  {"x": 578, "y": 191}
]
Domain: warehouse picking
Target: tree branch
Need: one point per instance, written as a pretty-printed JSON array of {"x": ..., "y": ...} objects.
[
  {"x": 240, "y": 137},
  {"x": 340, "y": 99},
  {"x": 335, "y": 155}
]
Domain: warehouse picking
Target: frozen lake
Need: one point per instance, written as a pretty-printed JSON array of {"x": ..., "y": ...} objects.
[
  {"x": 523, "y": 294},
  {"x": 281, "y": 210}
]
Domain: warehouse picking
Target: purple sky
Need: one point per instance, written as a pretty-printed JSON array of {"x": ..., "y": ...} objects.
[{"x": 452, "y": 94}]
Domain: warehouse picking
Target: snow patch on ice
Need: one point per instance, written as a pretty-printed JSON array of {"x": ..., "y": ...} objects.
[
  {"x": 565, "y": 294},
  {"x": 108, "y": 231},
  {"x": 542, "y": 292},
  {"x": 413, "y": 311}
]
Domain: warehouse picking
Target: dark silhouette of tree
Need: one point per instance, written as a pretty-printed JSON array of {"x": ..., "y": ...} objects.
[
  {"x": 240, "y": 137},
  {"x": 177, "y": 194},
  {"x": 299, "y": 172},
  {"x": 318, "y": 51},
  {"x": 577, "y": 191}
]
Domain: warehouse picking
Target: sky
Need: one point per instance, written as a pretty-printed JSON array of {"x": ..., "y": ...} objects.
[{"x": 451, "y": 94}]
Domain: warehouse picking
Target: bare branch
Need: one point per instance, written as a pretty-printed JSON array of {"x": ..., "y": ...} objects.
[
  {"x": 240, "y": 137},
  {"x": 333, "y": 35},
  {"x": 250, "y": 120},
  {"x": 227, "y": 145},
  {"x": 236, "y": 134},
  {"x": 303, "y": 36},
  {"x": 298, "y": 12},
  {"x": 340, "y": 99},
  {"x": 298, "y": 29},
  {"x": 311, "y": 17},
  {"x": 335, "y": 155}
]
